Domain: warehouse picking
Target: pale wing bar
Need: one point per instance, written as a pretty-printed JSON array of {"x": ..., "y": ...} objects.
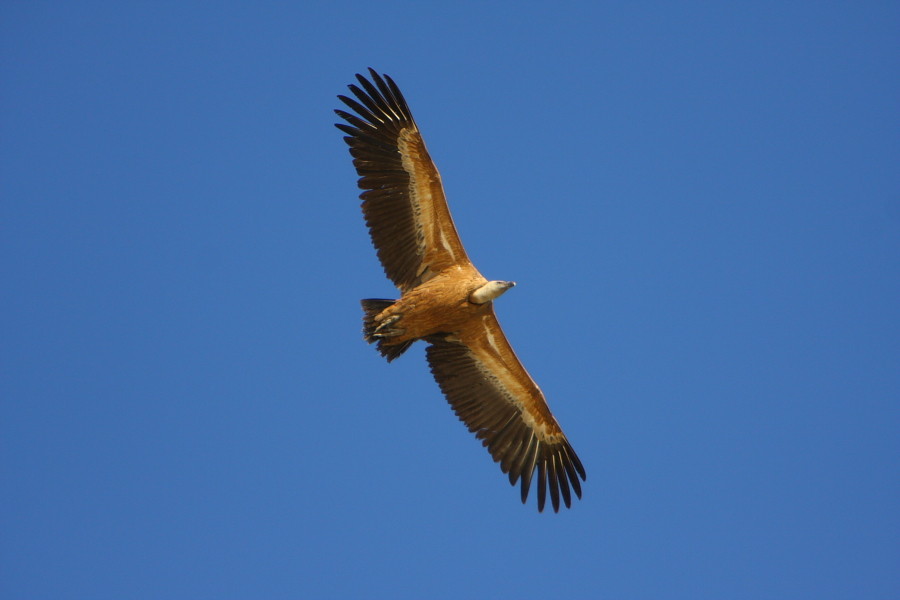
[{"x": 494, "y": 415}]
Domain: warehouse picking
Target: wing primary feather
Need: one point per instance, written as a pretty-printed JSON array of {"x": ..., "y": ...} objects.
[
  {"x": 499, "y": 441},
  {"x": 525, "y": 484},
  {"x": 513, "y": 458},
  {"x": 398, "y": 96},
  {"x": 398, "y": 102},
  {"x": 363, "y": 127},
  {"x": 352, "y": 131},
  {"x": 379, "y": 117},
  {"x": 517, "y": 469},
  {"x": 553, "y": 480},
  {"x": 372, "y": 91},
  {"x": 368, "y": 97},
  {"x": 390, "y": 101},
  {"x": 509, "y": 459},
  {"x": 570, "y": 468},
  {"x": 563, "y": 480},
  {"x": 576, "y": 463},
  {"x": 542, "y": 482},
  {"x": 361, "y": 110},
  {"x": 506, "y": 440}
]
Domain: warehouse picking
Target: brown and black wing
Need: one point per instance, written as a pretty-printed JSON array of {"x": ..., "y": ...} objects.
[
  {"x": 490, "y": 391},
  {"x": 403, "y": 199}
]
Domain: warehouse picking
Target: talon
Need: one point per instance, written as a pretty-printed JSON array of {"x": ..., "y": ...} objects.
[
  {"x": 385, "y": 323},
  {"x": 387, "y": 333}
]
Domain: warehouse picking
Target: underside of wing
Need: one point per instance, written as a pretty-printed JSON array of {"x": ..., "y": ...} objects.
[
  {"x": 490, "y": 391},
  {"x": 403, "y": 199}
]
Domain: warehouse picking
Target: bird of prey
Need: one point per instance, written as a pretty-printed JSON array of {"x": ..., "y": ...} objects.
[{"x": 444, "y": 300}]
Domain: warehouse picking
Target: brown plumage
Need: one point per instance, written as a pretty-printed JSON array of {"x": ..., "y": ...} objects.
[{"x": 445, "y": 300}]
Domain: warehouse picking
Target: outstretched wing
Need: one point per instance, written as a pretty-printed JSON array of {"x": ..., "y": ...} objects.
[
  {"x": 403, "y": 201},
  {"x": 493, "y": 394}
]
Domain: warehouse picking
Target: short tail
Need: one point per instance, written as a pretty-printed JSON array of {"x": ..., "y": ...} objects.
[{"x": 371, "y": 308}]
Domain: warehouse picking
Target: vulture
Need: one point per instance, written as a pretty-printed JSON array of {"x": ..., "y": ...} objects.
[{"x": 444, "y": 300}]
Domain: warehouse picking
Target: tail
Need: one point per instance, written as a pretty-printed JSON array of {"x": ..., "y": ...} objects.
[{"x": 371, "y": 308}]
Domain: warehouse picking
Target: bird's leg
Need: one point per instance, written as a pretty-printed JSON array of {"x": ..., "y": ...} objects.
[{"x": 384, "y": 329}]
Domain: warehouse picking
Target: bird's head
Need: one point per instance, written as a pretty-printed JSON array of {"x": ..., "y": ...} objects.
[{"x": 489, "y": 291}]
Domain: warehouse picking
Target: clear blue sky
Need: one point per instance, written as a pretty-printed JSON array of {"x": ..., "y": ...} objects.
[{"x": 700, "y": 203}]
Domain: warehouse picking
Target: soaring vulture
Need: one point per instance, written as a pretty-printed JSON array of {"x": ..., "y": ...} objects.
[{"x": 445, "y": 300}]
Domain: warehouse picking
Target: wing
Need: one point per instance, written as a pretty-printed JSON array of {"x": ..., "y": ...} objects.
[
  {"x": 492, "y": 393},
  {"x": 403, "y": 201}
]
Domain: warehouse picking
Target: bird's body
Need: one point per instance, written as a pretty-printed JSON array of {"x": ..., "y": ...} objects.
[
  {"x": 445, "y": 301},
  {"x": 439, "y": 305}
]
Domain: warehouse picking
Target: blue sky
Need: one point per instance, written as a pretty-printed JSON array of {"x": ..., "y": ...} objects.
[{"x": 700, "y": 203}]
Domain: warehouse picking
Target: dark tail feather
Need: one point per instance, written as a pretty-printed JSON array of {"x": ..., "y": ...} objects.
[{"x": 371, "y": 308}]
